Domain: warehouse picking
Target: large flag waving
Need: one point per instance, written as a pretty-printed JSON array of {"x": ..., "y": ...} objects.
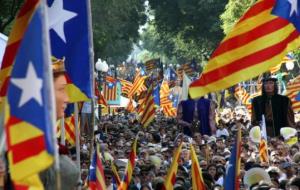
[
  {"x": 70, "y": 39},
  {"x": 148, "y": 113},
  {"x": 29, "y": 111},
  {"x": 261, "y": 38}
]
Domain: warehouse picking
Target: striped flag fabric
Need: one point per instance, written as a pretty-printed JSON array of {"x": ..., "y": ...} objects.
[
  {"x": 27, "y": 92},
  {"x": 292, "y": 91},
  {"x": 126, "y": 86},
  {"x": 188, "y": 68},
  {"x": 115, "y": 174},
  {"x": 169, "y": 111},
  {"x": 263, "y": 151},
  {"x": 275, "y": 69},
  {"x": 141, "y": 105},
  {"x": 288, "y": 57},
  {"x": 197, "y": 178},
  {"x": 112, "y": 92},
  {"x": 242, "y": 95},
  {"x": 265, "y": 34},
  {"x": 70, "y": 124},
  {"x": 151, "y": 65},
  {"x": 165, "y": 102},
  {"x": 100, "y": 98},
  {"x": 137, "y": 84},
  {"x": 73, "y": 43},
  {"x": 164, "y": 94},
  {"x": 100, "y": 178},
  {"x": 130, "y": 107},
  {"x": 263, "y": 145},
  {"x": 148, "y": 113},
  {"x": 96, "y": 179},
  {"x": 171, "y": 176},
  {"x": 130, "y": 166},
  {"x": 232, "y": 177}
]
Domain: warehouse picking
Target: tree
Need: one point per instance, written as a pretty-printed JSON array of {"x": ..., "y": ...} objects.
[
  {"x": 233, "y": 11},
  {"x": 192, "y": 26},
  {"x": 115, "y": 27},
  {"x": 8, "y": 11}
]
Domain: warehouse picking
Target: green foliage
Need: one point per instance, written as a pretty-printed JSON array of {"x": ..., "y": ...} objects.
[
  {"x": 115, "y": 27},
  {"x": 184, "y": 29},
  {"x": 8, "y": 11},
  {"x": 233, "y": 11}
]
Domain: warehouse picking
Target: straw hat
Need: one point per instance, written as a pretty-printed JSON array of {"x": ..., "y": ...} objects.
[
  {"x": 288, "y": 132},
  {"x": 255, "y": 175}
]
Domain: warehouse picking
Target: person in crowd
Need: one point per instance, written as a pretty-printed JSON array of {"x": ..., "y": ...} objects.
[
  {"x": 276, "y": 108},
  {"x": 69, "y": 172}
]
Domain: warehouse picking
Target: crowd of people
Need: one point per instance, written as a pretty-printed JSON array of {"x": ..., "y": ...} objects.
[
  {"x": 156, "y": 145},
  {"x": 114, "y": 134}
]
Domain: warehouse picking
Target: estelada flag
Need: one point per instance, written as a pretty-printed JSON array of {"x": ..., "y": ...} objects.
[
  {"x": 259, "y": 41},
  {"x": 70, "y": 37},
  {"x": 28, "y": 93}
]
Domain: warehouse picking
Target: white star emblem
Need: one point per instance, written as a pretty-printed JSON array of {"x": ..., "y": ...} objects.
[
  {"x": 294, "y": 6},
  {"x": 31, "y": 86},
  {"x": 57, "y": 17}
]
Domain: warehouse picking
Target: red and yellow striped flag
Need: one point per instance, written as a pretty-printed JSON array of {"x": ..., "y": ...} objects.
[
  {"x": 116, "y": 174},
  {"x": 263, "y": 151},
  {"x": 292, "y": 91},
  {"x": 171, "y": 177},
  {"x": 130, "y": 166},
  {"x": 100, "y": 178},
  {"x": 263, "y": 145},
  {"x": 130, "y": 106},
  {"x": 126, "y": 86},
  {"x": 241, "y": 94},
  {"x": 260, "y": 39},
  {"x": 148, "y": 113},
  {"x": 137, "y": 84},
  {"x": 25, "y": 89},
  {"x": 197, "y": 179},
  {"x": 14, "y": 41},
  {"x": 165, "y": 103},
  {"x": 69, "y": 124}
]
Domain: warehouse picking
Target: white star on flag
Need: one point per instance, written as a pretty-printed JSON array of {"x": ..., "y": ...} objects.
[
  {"x": 31, "y": 86},
  {"x": 294, "y": 7},
  {"x": 57, "y": 17}
]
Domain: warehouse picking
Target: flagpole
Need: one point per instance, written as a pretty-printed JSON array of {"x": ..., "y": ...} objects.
[
  {"x": 62, "y": 131},
  {"x": 2, "y": 130},
  {"x": 52, "y": 104},
  {"x": 264, "y": 135},
  {"x": 77, "y": 140},
  {"x": 91, "y": 53}
]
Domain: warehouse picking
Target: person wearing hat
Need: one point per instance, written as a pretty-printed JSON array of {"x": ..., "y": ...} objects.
[
  {"x": 276, "y": 108},
  {"x": 69, "y": 173}
]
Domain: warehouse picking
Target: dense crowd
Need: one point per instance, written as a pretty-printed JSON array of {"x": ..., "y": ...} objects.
[{"x": 156, "y": 145}]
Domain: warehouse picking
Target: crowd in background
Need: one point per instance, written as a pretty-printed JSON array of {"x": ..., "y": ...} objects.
[{"x": 156, "y": 144}]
